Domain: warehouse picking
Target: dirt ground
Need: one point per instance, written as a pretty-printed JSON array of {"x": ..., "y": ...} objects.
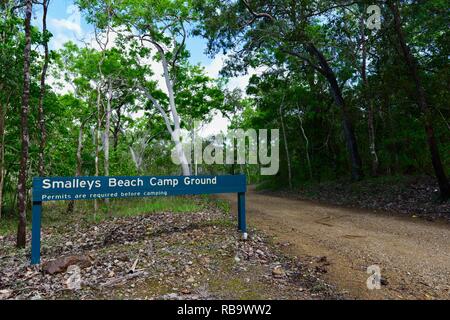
[
  {"x": 413, "y": 254},
  {"x": 164, "y": 255}
]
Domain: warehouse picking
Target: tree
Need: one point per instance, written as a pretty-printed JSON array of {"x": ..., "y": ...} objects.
[
  {"x": 23, "y": 173},
  {"x": 41, "y": 115},
  {"x": 11, "y": 60},
  {"x": 285, "y": 28},
  {"x": 160, "y": 25},
  {"x": 422, "y": 101}
]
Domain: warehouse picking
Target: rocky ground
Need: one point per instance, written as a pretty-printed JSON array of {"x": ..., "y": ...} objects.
[
  {"x": 413, "y": 196},
  {"x": 159, "y": 256}
]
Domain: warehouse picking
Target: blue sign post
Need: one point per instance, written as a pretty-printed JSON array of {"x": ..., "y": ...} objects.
[{"x": 92, "y": 188}]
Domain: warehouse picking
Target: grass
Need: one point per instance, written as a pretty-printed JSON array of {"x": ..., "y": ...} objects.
[
  {"x": 223, "y": 205},
  {"x": 7, "y": 226},
  {"x": 132, "y": 208},
  {"x": 54, "y": 214}
]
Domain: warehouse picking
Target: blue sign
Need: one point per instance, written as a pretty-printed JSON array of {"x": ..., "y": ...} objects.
[{"x": 94, "y": 188}]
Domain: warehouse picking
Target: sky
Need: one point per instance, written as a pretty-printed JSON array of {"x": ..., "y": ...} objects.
[{"x": 66, "y": 23}]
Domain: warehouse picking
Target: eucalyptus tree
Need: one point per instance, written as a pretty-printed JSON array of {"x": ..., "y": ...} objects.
[
  {"x": 103, "y": 81},
  {"x": 148, "y": 27},
  {"x": 198, "y": 98},
  {"x": 353, "y": 42}
]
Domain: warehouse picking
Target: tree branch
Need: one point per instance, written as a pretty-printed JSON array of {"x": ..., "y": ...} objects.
[{"x": 258, "y": 15}]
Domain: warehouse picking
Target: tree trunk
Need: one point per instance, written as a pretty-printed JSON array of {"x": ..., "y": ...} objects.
[
  {"x": 181, "y": 156},
  {"x": 308, "y": 158},
  {"x": 175, "y": 116},
  {"x": 286, "y": 147},
  {"x": 107, "y": 128},
  {"x": 421, "y": 98},
  {"x": 175, "y": 134},
  {"x": 117, "y": 128},
  {"x": 71, "y": 206},
  {"x": 368, "y": 101},
  {"x": 41, "y": 115},
  {"x": 106, "y": 132},
  {"x": 349, "y": 134},
  {"x": 97, "y": 139},
  {"x": 2, "y": 152},
  {"x": 22, "y": 182}
]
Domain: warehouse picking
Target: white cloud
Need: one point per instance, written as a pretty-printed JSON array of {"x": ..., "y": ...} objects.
[
  {"x": 219, "y": 124},
  {"x": 59, "y": 86},
  {"x": 71, "y": 23},
  {"x": 240, "y": 82},
  {"x": 66, "y": 24},
  {"x": 59, "y": 40},
  {"x": 215, "y": 66}
]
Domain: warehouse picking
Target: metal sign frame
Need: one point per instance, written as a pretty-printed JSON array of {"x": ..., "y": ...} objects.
[{"x": 95, "y": 188}]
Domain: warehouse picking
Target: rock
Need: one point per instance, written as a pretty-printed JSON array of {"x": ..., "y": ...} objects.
[
  {"x": 321, "y": 269},
  {"x": 37, "y": 296},
  {"x": 172, "y": 296},
  {"x": 74, "y": 280},
  {"x": 259, "y": 252},
  {"x": 207, "y": 260},
  {"x": 185, "y": 291},
  {"x": 278, "y": 272},
  {"x": 5, "y": 294},
  {"x": 61, "y": 264}
]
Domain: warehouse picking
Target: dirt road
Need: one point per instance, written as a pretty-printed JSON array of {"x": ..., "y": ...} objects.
[{"x": 414, "y": 255}]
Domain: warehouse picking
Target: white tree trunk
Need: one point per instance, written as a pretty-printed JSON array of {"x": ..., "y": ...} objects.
[
  {"x": 107, "y": 128},
  {"x": 176, "y": 130},
  {"x": 97, "y": 140},
  {"x": 182, "y": 157}
]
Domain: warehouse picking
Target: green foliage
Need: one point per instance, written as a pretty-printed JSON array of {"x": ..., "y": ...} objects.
[
  {"x": 270, "y": 35},
  {"x": 277, "y": 35},
  {"x": 56, "y": 212}
]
